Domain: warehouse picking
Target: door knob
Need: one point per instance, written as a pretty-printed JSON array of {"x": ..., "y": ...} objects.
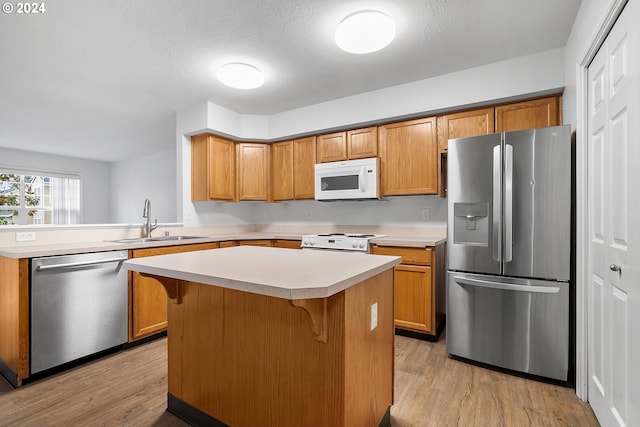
[{"x": 615, "y": 267}]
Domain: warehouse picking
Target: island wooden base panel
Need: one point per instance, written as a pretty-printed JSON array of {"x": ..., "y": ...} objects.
[
  {"x": 248, "y": 359},
  {"x": 196, "y": 417}
]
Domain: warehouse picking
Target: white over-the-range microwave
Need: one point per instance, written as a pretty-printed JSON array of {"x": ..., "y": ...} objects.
[{"x": 348, "y": 180}]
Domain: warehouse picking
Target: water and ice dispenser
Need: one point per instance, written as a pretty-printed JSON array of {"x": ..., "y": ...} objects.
[{"x": 471, "y": 223}]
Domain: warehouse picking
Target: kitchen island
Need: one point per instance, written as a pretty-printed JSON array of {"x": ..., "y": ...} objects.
[{"x": 278, "y": 337}]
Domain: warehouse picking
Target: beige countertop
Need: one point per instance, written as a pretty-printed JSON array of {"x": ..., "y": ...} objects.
[
  {"x": 65, "y": 248},
  {"x": 278, "y": 272}
]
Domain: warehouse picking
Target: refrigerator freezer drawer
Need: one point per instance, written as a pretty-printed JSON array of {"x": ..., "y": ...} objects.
[{"x": 517, "y": 324}]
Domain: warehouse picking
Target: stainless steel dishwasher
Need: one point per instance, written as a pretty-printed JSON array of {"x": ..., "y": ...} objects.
[{"x": 79, "y": 307}]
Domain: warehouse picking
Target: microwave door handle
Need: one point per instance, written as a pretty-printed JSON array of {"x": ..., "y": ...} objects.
[{"x": 361, "y": 178}]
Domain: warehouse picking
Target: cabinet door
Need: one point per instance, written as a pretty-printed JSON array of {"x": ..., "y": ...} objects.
[
  {"x": 464, "y": 124},
  {"x": 409, "y": 157},
  {"x": 255, "y": 243},
  {"x": 414, "y": 298},
  {"x": 222, "y": 172},
  {"x": 199, "y": 168},
  {"x": 362, "y": 143},
  {"x": 148, "y": 299},
  {"x": 282, "y": 170},
  {"x": 332, "y": 147},
  {"x": 532, "y": 114},
  {"x": 290, "y": 244},
  {"x": 253, "y": 171},
  {"x": 304, "y": 160}
]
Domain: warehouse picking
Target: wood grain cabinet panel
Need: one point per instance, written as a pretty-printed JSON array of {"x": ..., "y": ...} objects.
[
  {"x": 304, "y": 160},
  {"x": 414, "y": 298},
  {"x": 212, "y": 168},
  {"x": 464, "y": 124},
  {"x": 14, "y": 318},
  {"x": 293, "y": 169},
  {"x": 362, "y": 143},
  {"x": 282, "y": 171},
  {"x": 409, "y": 157},
  {"x": 147, "y": 297},
  {"x": 259, "y": 242},
  {"x": 289, "y": 244},
  {"x": 531, "y": 114},
  {"x": 252, "y": 171},
  {"x": 332, "y": 147},
  {"x": 419, "y": 295}
]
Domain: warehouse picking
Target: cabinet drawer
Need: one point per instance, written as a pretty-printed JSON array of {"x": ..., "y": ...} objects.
[
  {"x": 416, "y": 256},
  {"x": 255, "y": 242}
]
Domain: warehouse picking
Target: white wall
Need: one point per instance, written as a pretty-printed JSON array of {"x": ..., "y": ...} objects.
[
  {"x": 404, "y": 211},
  {"x": 150, "y": 177},
  {"x": 95, "y": 182},
  {"x": 590, "y": 16},
  {"x": 507, "y": 80}
]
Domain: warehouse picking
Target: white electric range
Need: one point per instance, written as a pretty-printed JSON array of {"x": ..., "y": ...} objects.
[{"x": 349, "y": 242}]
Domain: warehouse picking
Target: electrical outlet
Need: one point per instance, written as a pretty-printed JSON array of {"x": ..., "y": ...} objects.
[
  {"x": 374, "y": 315},
  {"x": 426, "y": 214},
  {"x": 25, "y": 236}
]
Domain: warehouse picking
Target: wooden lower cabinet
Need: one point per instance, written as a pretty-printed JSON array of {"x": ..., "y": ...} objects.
[
  {"x": 147, "y": 297},
  {"x": 413, "y": 295},
  {"x": 419, "y": 294},
  {"x": 254, "y": 242},
  {"x": 289, "y": 244}
]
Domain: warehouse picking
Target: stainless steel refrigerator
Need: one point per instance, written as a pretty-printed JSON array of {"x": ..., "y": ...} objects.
[{"x": 509, "y": 250}]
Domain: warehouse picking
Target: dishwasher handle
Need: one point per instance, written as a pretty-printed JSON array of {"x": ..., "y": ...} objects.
[
  {"x": 506, "y": 286},
  {"x": 79, "y": 264}
]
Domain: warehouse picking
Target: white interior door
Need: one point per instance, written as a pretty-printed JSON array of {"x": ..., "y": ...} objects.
[{"x": 614, "y": 225}]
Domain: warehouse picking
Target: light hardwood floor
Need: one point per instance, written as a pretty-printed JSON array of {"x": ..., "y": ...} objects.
[{"x": 129, "y": 388}]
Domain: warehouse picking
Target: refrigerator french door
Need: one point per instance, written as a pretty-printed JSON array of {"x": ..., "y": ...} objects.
[{"x": 509, "y": 243}]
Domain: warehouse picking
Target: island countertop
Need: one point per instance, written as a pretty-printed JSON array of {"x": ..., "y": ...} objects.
[{"x": 277, "y": 272}]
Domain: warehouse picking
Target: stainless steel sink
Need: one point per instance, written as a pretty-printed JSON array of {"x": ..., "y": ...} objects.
[{"x": 155, "y": 239}]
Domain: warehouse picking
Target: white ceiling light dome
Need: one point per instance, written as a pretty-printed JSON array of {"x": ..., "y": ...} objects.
[
  {"x": 240, "y": 76},
  {"x": 365, "y": 32}
]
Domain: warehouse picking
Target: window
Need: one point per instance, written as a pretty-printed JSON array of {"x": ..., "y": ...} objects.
[{"x": 28, "y": 198}]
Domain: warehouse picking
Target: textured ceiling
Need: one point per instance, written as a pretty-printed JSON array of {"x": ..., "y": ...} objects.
[{"x": 103, "y": 79}]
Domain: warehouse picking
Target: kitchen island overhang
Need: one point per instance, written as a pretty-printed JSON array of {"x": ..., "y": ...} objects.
[{"x": 272, "y": 336}]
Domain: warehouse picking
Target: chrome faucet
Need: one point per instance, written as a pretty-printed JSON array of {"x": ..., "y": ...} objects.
[{"x": 146, "y": 213}]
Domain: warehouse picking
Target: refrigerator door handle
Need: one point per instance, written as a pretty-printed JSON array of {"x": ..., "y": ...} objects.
[
  {"x": 506, "y": 286},
  {"x": 508, "y": 203},
  {"x": 497, "y": 207}
]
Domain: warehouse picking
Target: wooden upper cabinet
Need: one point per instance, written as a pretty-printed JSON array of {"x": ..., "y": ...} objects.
[
  {"x": 253, "y": 171},
  {"x": 531, "y": 114},
  {"x": 332, "y": 147},
  {"x": 464, "y": 124},
  {"x": 212, "y": 168},
  {"x": 304, "y": 160},
  {"x": 292, "y": 169},
  {"x": 362, "y": 143},
  {"x": 282, "y": 170},
  {"x": 409, "y": 157}
]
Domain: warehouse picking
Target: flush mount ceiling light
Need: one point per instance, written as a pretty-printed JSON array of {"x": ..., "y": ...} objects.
[
  {"x": 240, "y": 76},
  {"x": 365, "y": 32}
]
